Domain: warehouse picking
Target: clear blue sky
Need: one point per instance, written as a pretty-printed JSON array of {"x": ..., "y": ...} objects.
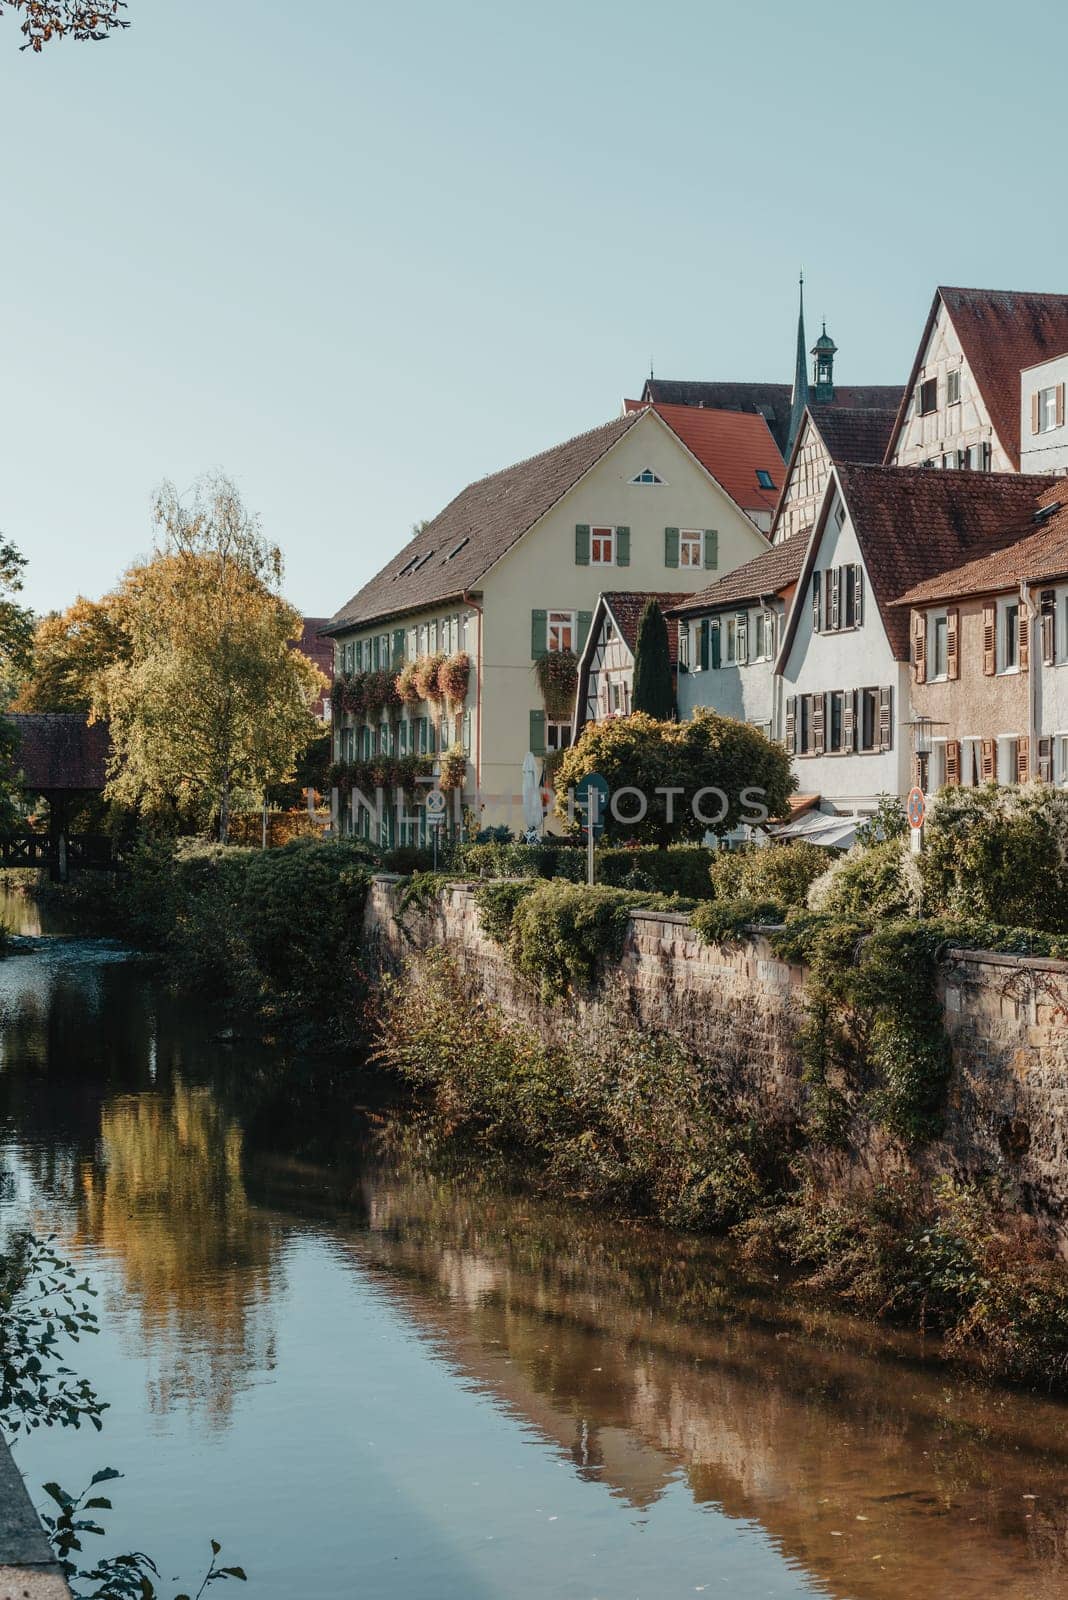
[{"x": 357, "y": 255}]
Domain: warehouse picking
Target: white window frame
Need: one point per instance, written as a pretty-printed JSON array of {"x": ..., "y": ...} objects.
[
  {"x": 1060, "y": 760},
  {"x": 1047, "y": 409},
  {"x": 763, "y": 635},
  {"x": 953, "y": 379},
  {"x": 654, "y": 481},
  {"x": 688, "y": 539},
  {"x": 729, "y": 653},
  {"x": 1008, "y": 747},
  {"x": 561, "y": 620},
  {"x": 557, "y": 736},
  {"x": 1005, "y": 667},
  {"x": 935, "y": 621},
  {"x": 936, "y": 766},
  {"x": 598, "y": 536}
]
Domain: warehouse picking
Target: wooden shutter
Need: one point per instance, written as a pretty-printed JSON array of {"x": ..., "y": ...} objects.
[
  {"x": 817, "y": 602},
  {"x": 1048, "y": 608},
  {"x": 584, "y": 620},
  {"x": 919, "y": 646},
  {"x": 849, "y": 720},
  {"x": 986, "y": 760},
  {"x": 1060, "y": 405},
  {"x": 671, "y": 547},
  {"x": 990, "y": 638},
  {"x": 953, "y": 643},
  {"x": 715, "y": 643},
  {"x": 953, "y": 761},
  {"x": 539, "y": 634},
  {"x": 1045, "y": 759},
  {"x": 622, "y": 547},
  {"x": 791, "y": 724},
  {"x": 834, "y": 599},
  {"x": 702, "y": 637},
  {"x": 711, "y": 549},
  {"x": 1023, "y": 759},
  {"x": 886, "y": 719},
  {"x": 741, "y": 638},
  {"x": 818, "y": 705},
  {"x": 398, "y": 647},
  {"x": 858, "y": 595},
  {"x": 1025, "y": 637},
  {"x": 1034, "y": 411},
  {"x": 582, "y": 544},
  {"x": 537, "y": 733}
]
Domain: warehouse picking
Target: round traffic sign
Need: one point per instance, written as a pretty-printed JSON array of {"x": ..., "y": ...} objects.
[
  {"x": 916, "y": 806},
  {"x": 435, "y": 803}
]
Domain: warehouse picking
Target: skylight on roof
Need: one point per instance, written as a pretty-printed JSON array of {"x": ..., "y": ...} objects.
[
  {"x": 407, "y": 567},
  {"x": 422, "y": 561},
  {"x": 764, "y": 478},
  {"x": 647, "y": 475},
  {"x": 1044, "y": 512},
  {"x": 455, "y": 551}
]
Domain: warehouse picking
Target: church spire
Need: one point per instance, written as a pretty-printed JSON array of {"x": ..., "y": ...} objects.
[{"x": 799, "y": 396}]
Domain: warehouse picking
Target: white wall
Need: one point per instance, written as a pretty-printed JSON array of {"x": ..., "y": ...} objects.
[
  {"x": 963, "y": 425},
  {"x": 1052, "y": 707},
  {"x": 744, "y": 691},
  {"x": 1046, "y": 451},
  {"x": 855, "y": 658}
]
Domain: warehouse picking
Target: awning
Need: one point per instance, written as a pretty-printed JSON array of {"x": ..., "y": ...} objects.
[{"x": 818, "y": 828}]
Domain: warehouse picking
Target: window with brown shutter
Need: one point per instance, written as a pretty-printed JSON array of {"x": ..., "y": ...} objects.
[
  {"x": 849, "y": 720},
  {"x": 990, "y": 638},
  {"x": 886, "y": 720},
  {"x": 1024, "y": 655},
  {"x": 986, "y": 766},
  {"x": 791, "y": 724},
  {"x": 1023, "y": 759},
  {"x": 952, "y": 644},
  {"x": 1048, "y": 609},
  {"x": 817, "y": 724},
  {"x": 1045, "y": 759},
  {"x": 953, "y": 761},
  {"x": 919, "y": 646}
]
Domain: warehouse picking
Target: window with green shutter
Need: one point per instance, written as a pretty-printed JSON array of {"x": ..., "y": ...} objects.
[
  {"x": 398, "y": 647},
  {"x": 539, "y": 634},
  {"x": 671, "y": 547},
  {"x": 585, "y": 618},
  {"x": 715, "y": 651},
  {"x": 537, "y": 733},
  {"x": 582, "y": 544},
  {"x": 622, "y": 547},
  {"x": 703, "y": 644},
  {"x": 711, "y": 548}
]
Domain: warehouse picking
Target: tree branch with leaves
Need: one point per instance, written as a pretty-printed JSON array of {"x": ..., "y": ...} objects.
[{"x": 44, "y": 21}]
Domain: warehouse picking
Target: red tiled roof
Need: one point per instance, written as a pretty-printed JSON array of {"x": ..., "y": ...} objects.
[
  {"x": 1000, "y": 332},
  {"x": 1041, "y": 554},
  {"x": 454, "y": 551},
  {"x": 60, "y": 750},
  {"x": 626, "y": 607},
  {"x": 772, "y": 400},
  {"x": 319, "y": 650},
  {"x": 733, "y": 446},
  {"x": 913, "y": 523},
  {"x": 768, "y": 573}
]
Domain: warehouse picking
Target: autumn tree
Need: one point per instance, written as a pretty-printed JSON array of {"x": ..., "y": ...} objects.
[
  {"x": 44, "y": 21},
  {"x": 72, "y": 649},
  {"x": 654, "y": 690},
  {"x": 212, "y": 701}
]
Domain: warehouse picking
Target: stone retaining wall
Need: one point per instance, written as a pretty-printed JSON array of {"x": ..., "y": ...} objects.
[
  {"x": 1006, "y": 1016},
  {"x": 28, "y": 1569}
]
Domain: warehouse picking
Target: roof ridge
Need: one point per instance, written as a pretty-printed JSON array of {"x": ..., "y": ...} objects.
[{"x": 628, "y": 417}]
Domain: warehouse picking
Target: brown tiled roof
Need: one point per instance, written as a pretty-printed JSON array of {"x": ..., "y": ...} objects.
[
  {"x": 733, "y": 446},
  {"x": 1041, "y": 554},
  {"x": 626, "y": 607},
  {"x": 60, "y": 750},
  {"x": 771, "y": 400},
  {"x": 320, "y": 650},
  {"x": 454, "y": 551},
  {"x": 854, "y": 433},
  {"x": 1000, "y": 331},
  {"x": 913, "y": 522},
  {"x": 767, "y": 573}
]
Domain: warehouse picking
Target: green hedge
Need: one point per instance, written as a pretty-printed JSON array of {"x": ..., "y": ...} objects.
[{"x": 682, "y": 869}]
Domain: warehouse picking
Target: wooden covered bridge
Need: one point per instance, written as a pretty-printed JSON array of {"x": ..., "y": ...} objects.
[{"x": 64, "y": 759}]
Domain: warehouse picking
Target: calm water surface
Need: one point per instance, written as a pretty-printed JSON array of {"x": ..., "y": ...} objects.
[{"x": 371, "y": 1383}]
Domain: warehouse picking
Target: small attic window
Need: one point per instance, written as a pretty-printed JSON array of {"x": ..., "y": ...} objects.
[
  {"x": 764, "y": 478},
  {"x": 421, "y": 561},
  {"x": 647, "y": 475},
  {"x": 408, "y": 566},
  {"x": 455, "y": 551}
]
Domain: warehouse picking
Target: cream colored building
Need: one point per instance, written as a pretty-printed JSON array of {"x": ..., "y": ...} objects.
[{"x": 512, "y": 570}]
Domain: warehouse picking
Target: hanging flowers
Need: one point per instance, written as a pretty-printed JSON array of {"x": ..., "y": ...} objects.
[
  {"x": 453, "y": 767},
  {"x": 426, "y": 676},
  {"x": 557, "y": 677},
  {"x": 454, "y": 675},
  {"x": 407, "y": 684}
]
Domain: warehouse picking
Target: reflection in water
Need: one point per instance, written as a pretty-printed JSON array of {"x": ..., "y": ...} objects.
[{"x": 400, "y": 1360}]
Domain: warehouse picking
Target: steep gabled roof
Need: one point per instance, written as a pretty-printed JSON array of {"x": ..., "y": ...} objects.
[
  {"x": 625, "y": 607},
  {"x": 732, "y": 445},
  {"x": 771, "y": 400},
  {"x": 768, "y": 573},
  {"x": 1000, "y": 332},
  {"x": 454, "y": 551},
  {"x": 912, "y": 523},
  {"x": 854, "y": 433},
  {"x": 1040, "y": 555}
]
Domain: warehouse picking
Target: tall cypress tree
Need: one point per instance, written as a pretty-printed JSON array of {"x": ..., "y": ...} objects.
[{"x": 653, "y": 689}]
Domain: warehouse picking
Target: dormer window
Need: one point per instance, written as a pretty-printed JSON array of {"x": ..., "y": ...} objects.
[{"x": 647, "y": 475}]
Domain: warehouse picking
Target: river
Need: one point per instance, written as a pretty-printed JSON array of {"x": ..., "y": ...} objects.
[{"x": 369, "y": 1382}]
